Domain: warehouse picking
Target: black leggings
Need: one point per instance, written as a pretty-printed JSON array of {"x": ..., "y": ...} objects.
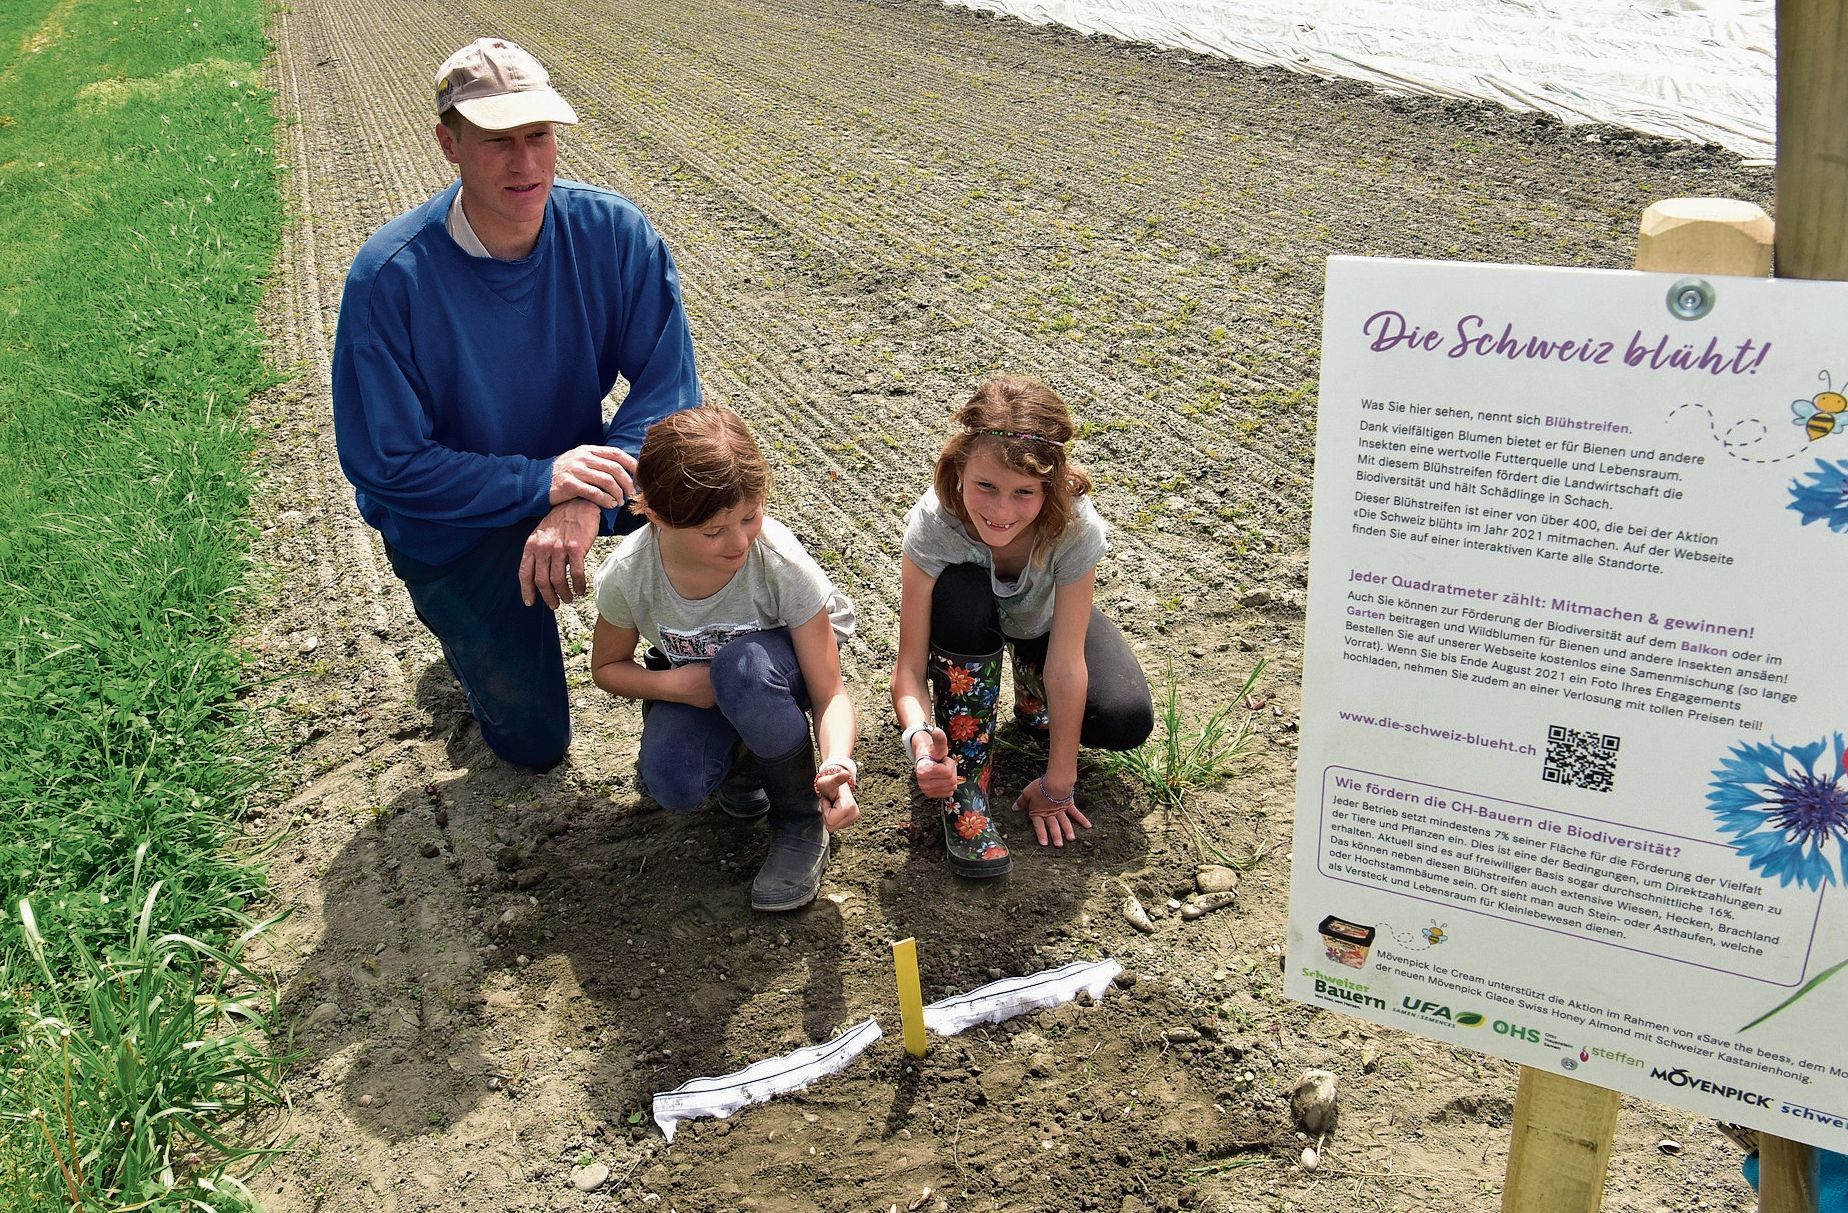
[{"x": 1118, "y": 714}]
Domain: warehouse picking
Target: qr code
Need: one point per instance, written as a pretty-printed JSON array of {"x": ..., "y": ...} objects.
[{"x": 1581, "y": 760}]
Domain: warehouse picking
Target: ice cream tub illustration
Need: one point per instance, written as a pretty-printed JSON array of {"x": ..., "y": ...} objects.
[{"x": 1346, "y": 943}]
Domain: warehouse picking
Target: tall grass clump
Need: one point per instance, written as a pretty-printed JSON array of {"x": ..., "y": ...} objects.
[
  {"x": 1179, "y": 759},
  {"x": 132, "y": 1062},
  {"x": 139, "y": 217}
]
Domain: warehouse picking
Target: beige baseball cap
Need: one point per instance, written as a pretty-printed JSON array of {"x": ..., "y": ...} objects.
[{"x": 498, "y": 86}]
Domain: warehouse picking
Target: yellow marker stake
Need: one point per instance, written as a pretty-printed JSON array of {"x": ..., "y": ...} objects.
[{"x": 910, "y": 994}]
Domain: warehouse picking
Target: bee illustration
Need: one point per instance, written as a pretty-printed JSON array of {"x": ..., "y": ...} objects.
[
  {"x": 1820, "y": 414},
  {"x": 1434, "y": 934}
]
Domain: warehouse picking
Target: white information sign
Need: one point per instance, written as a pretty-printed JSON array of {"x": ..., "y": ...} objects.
[{"x": 1572, "y": 788}]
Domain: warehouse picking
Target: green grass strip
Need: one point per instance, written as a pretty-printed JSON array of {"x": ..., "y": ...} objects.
[{"x": 139, "y": 219}]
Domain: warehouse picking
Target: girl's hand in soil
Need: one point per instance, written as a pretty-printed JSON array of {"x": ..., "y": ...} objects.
[
  {"x": 1054, "y": 821},
  {"x": 935, "y": 771},
  {"x": 835, "y": 784}
]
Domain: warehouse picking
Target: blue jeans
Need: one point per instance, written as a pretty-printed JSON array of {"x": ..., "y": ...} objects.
[
  {"x": 505, "y": 654},
  {"x": 762, "y": 701}
]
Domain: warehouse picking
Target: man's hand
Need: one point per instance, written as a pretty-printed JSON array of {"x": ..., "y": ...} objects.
[
  {"x": 601, "y": 474},
  {"x": 552, "y": 567}
]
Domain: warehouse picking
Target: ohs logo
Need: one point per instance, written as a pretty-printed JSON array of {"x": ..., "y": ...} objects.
[{"x": 1517, "y": 1032}]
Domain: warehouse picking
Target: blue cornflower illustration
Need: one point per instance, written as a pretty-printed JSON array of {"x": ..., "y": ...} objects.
[
  {"x": 1782, "y": 809},
  {"x": 1825, "y": 497}
]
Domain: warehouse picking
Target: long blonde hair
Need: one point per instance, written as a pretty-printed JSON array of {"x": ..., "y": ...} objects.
[{"x": 1027, "y": 428}]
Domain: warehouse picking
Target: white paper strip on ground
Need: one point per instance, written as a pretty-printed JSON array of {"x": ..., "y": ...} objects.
[
  {"x": 1011, "y": 996},
  {"x": 720, "y": 1097}
]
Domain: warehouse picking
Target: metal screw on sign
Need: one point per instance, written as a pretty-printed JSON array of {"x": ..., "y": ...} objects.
[{"x": 1690, "y": 298}]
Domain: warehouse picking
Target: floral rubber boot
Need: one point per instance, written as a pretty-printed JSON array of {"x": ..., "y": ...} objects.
[
  {"x": 1029, "y": 695},
  {"x": 965, "y": 691}
]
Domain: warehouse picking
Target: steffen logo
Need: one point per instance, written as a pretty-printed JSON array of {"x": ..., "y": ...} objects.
[{"x": 1437, "y": 1012}]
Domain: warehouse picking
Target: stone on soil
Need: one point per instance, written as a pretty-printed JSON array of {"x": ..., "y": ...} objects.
[
  {"x": 1312, "y": 1102},
  {"x": 1212, "y": 878},
  {"x": 590, "y": 1177}
]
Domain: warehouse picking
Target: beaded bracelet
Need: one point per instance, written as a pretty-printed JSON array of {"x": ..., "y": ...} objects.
[{"x": 1057, "y": 801}]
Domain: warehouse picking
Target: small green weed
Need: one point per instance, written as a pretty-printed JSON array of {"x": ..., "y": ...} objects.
[{"x": 1177, "y": 759}]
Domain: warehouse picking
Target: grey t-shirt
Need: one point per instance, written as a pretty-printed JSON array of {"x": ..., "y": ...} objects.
[
  {"x": 935, "y": 540},
  {"x": 779, "y": 586}
]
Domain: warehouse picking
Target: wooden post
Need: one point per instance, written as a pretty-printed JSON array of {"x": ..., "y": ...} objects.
[
  {"x": 1705, "y": 236},
  {"x": 1812, "y": 139},
  {"x": 1812, "y": 242},
  {"x": 1562, "y": 1145},
  {"x": 1563, "y": 1128},
  {"x": 1787, "y": 1178}
]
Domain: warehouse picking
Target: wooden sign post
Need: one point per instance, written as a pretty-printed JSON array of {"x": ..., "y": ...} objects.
[
  {"x": 1812, "y": 242},
  {"x": 1563, "y": 1128}
]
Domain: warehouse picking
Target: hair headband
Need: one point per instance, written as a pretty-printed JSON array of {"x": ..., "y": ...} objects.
[{"x": 1021, "y": 434}]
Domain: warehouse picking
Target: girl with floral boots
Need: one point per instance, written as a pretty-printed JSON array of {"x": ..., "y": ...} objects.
[
  {"x": 1002, "y": 553},
  {"x": 750, "y": 627}
]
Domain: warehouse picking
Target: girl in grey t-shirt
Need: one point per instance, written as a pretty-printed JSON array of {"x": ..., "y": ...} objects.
[
  {"x": 748, "y": 628},
  {"x": 1003, "y": 552}
]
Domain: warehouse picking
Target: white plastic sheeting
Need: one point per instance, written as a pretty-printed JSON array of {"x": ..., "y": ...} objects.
[
  {"x": 1702, "y": 70},
  {"x": 1011, "y": 996},
  {"x": 720, "y": 1097}
]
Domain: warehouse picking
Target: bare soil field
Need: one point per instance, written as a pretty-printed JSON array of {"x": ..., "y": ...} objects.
[{"x": 875, "y": 203}]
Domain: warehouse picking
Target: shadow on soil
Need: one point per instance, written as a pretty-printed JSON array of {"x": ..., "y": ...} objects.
[{"x": 625, "y": 932}]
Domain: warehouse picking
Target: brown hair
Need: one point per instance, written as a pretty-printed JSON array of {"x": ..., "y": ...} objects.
[
  {"x": 1024, "y": 425},
  {"x": 697, "y": 463}
]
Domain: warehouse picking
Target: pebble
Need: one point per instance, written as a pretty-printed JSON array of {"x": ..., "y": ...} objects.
[
  {"x": 590, "y": 1177},
  {"x": 1310, "y": 1158},
  {"x": 325, "y": 1012},
  {"x": 1182, "y": 1036},
  {"x": 1135, "y": 914},
  {"x": 1212, "y": 878},
  {"x": 738, "y": 935},
  {"x": 1205, "y": 903},
  {"x": 365, "y": 1101},
  {"x": 1312, "y": 1101},
  {"x": 1042, "y": 1065}
]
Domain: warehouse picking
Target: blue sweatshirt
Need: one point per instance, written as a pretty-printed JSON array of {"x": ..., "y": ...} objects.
[{"x": 457, "y": 379}]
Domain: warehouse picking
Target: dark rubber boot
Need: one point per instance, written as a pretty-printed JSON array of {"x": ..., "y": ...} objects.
[
  {"x": 791, "y": 875},
  {"x": 964, "y": 691},
  {"x": 741, "y": 793},
  {"x": 1029, "y": 695},
  {"x": 652, "y": 659}
]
